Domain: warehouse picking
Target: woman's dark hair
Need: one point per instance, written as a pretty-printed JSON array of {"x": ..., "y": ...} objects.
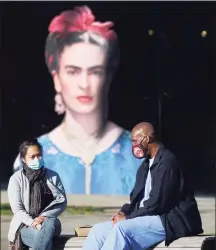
[
  {"x": 72, "y": 27},
  {"x": 26, "y": 144}
]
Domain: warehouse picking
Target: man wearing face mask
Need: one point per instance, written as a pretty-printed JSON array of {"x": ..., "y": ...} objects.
[{"x": 162, "y": 204}]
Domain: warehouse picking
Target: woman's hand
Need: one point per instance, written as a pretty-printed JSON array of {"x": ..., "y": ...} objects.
[
  {"x": 38, "y": 227},
  {"x": 38, "y": 221}
]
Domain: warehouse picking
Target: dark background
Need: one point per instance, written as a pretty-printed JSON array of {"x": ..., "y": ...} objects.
[{"x": 174, "y": 67}]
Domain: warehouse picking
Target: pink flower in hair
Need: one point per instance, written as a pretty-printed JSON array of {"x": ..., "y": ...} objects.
[{"x": 80, "y": 19}]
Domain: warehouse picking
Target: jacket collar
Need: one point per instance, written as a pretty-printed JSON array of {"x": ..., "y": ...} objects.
[{"x": 159, "y": 154}]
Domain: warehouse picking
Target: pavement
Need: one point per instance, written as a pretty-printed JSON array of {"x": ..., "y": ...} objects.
[{"x": 111, "y": 203}]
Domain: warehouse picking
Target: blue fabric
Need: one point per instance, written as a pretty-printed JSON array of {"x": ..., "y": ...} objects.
[
  {"x": 41, "y": 239},
  {"x": 113, "y": 171},
  {"x": 139, "y": 233}
]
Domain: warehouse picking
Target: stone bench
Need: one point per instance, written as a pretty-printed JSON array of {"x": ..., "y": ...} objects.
[{"x": 72, "y": 242}]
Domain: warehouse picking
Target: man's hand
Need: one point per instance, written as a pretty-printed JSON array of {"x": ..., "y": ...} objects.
[
  {"x": 117, "y": 217},
  {"x": 38, "y": 221},
  {"x": 114, "y": 215}
]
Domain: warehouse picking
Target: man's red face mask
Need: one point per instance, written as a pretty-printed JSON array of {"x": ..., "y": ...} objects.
[{"x": 139, "y": 151}]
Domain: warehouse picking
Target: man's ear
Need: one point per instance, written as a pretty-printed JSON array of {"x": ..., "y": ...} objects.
[
  {"x": 146, "y": 139},
  {"x": 57, "y": 84}
]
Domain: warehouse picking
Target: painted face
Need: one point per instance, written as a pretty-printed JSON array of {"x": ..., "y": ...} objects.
[{"x": 81, "y": 76}]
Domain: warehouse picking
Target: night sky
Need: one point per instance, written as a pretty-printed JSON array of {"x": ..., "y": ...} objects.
[{"x": 175, "y": 63}]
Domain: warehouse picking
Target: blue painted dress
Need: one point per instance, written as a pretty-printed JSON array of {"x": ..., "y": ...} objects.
[{"x": 113, "y": 172}]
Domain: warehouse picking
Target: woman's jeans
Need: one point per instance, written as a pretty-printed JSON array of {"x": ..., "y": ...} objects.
[{"x": 41, "y": 239}]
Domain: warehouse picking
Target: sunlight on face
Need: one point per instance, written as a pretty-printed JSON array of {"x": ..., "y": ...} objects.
[
  {"x": 136, "y": 137},
  {"x": 82, "y": 73}
]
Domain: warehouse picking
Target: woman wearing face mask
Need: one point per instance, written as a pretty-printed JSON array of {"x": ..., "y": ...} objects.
[
  {"x": 82, "y": 56},
  {"x": 37, "y": 198}
]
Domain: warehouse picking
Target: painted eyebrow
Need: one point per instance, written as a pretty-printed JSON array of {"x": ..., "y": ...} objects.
[{"x": 79, "y": 68}]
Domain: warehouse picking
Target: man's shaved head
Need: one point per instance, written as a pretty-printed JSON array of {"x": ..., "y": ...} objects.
[{"x": 143, "y": 129}]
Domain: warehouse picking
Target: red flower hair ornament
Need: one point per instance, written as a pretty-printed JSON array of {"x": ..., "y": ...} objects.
[{"x": 81, "y": 19}]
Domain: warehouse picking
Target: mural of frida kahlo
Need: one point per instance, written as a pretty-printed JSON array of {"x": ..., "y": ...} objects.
[{"x": 91, "y": 154}]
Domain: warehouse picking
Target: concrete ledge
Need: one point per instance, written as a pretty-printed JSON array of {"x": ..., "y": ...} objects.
[
  {"x": 112, "y": 202},
  {"x": 70, "y": 242}
]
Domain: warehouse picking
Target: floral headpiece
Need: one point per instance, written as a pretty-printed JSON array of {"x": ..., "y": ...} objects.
[{"x": 81, "y": 19}]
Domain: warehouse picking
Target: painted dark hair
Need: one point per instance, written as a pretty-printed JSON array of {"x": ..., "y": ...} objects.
[
  {"x": 76, "y": 26},
  {"x": 26, "y": 144}
]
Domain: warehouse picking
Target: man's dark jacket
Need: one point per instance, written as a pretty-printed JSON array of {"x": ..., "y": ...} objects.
[{"x": 171, "y": 197}]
